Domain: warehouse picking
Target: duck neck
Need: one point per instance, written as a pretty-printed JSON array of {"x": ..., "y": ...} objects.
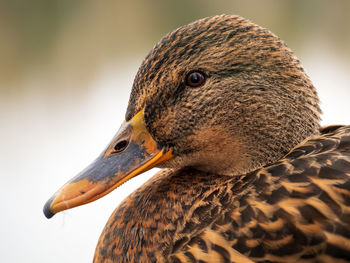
[{"x": 161, "y": 217}]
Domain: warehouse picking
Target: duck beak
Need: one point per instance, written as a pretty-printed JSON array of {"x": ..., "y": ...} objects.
[{"x": 131, "y": 152}]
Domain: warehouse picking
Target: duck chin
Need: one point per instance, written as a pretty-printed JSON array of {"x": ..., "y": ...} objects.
[
  {"x": 212, "y": 150},
  {"x": 211, "y": 163}
]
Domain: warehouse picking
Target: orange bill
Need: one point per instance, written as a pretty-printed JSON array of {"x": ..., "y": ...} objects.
[{"x": 131, "y": 152}]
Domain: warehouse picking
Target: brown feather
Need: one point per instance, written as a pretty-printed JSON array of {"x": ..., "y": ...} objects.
[
  {"x": 252, "y": 178},
  {"x": 297, "y": 210}
]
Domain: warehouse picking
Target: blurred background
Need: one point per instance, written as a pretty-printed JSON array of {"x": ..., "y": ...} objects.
[{"x": 66, "y": 70}]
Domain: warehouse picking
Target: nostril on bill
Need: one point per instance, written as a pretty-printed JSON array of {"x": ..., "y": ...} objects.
[{"x": 121, "y": 146}]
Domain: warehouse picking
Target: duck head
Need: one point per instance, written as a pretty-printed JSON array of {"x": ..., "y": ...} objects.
[{"x": 221, "y": 95}]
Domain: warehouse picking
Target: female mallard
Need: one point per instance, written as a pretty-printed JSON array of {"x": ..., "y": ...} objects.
[{"x": 226, "y": 107}]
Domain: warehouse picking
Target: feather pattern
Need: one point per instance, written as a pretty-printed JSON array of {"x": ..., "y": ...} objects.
[
  {"x": 296, "y": 210},
  {"x": 249, "y": 176}
]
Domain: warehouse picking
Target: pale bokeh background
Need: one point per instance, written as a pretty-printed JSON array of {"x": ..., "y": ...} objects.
[{"x": 66, "y": 69}]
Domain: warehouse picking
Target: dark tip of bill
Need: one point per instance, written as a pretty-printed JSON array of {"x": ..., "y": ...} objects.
[{"x": 47, "y": 210}]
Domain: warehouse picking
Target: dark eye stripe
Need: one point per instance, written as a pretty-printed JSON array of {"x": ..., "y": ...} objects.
[{"x": 195, "y": 79}]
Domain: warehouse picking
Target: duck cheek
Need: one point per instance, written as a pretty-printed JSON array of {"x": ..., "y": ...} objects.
[
  {"x": 161, "y": 124},
  {"x": 214, "y": 149}
]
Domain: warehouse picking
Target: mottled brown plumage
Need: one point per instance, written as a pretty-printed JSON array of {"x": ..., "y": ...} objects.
[
  {"x": 257, "y": 104},
  {"x": 251, "y": 178},
  {"x": 296, "y": 210},
  {"x": 256, "y": 96}
]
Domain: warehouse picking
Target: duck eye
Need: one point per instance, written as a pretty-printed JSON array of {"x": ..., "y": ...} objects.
[{"x": 195, "y": 79}]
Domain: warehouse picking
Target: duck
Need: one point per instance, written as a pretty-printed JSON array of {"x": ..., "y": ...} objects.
[{"x": 248, "y": 174}]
